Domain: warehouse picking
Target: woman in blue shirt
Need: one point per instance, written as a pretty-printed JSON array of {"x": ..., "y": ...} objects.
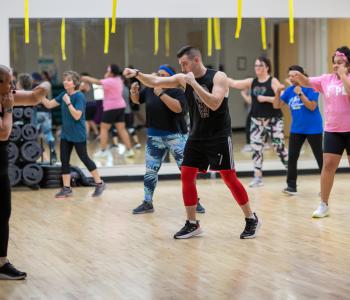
[
  {"x": 73, "y": 104},
  {"x": 306, "y": 124}
]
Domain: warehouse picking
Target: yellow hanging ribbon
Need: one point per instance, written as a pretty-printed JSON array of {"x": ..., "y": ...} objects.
[
  {"x": 83, "y": 39},
  {"x": 239, "y": 18},
  {"x": 217, "y": 37},
  {"x": 114, "y": 17},
  {"x": 39, "y": 38},
  {"x": 26, "y": 21},
  {"x": 156, "y": 35},
  {"x": 63, "y": 39},
  {"x": 291, "y": 21},
  {"x": 167, "y": 38},
  {"x": 263, "y": 33},
  {"x": 210, "y": 36},
  {"x": 106, "y": 46}
]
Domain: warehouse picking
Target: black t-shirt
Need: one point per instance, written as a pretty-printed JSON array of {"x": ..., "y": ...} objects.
[
  {"x": 205, "y": 123},
  {"x": 263, "y": 109},
  {"x": 159, "y": 116}
]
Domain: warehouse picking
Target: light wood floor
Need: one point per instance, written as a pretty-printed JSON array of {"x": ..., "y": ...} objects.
[{"x": 86, "y": 248}]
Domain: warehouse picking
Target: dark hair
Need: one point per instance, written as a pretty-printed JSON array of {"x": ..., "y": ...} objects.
[
  {"x": 266, "y": 61},
  {"x": 190, "y": 51},
  {"x": 74, "y": 76},
  {"x": 345, "y": 50},
  {"x": 26, "y": 81},
  {"x": 4, "y": 71},
  {"x": 46, "y": 75},
  {"x": 115, "y": 70},
  {"x": 297, "y": 68}
]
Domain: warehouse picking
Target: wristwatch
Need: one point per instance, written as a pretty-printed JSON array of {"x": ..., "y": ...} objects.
[
  {"x": 300, "y": 94},
  {"x": 137, "y": 72},
  {"x": 8, "y": 110},
  {"x": 161, "y": 94}
]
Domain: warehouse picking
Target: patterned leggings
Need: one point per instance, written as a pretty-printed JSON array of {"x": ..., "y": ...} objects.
[
  {"x": 259, "y": 128},
  {"x": 157, "y": 148}
]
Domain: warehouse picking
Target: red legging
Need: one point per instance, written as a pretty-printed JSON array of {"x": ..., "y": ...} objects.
[{"x": 189, "y": 190}]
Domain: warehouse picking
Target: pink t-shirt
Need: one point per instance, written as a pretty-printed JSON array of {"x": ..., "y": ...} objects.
[
  {"x": 336, "y": 100},
  {"x": 113, "y": 93}
]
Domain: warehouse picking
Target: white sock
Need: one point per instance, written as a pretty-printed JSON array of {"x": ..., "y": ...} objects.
[
  {"x": 3, "y": 260},
  {"x": 193, "y": 221},
  {"x": 252, "y": 216}
]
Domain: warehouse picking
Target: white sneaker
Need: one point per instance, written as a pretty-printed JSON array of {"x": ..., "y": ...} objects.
[
  {"x": 101, "y": 154},
  {"x": 137, "y": 146},
  {"x": 322, "y": 211},
  {"x": 247, "y": 148},
  {"x": 129, "y": 153},
  {"x": 256, "y": 182}
]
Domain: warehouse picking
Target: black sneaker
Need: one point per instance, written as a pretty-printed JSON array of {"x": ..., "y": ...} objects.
[
  {"x": 64, "y": 192},
  {"x": 251, "y": 228},
  {"x": 143, "y": 208},
  {"x": 188, "y": 231},
  {"x": 100, "y": 187},
  {"x": 200, "y": 209},
  {"x": 9, "y": 272},
  {"x": 290, "y": 190}
]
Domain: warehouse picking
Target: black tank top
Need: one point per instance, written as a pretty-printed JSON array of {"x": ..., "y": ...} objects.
[
  {"x": 205, "y": 123},
  {"x": 263, "y": 109}
]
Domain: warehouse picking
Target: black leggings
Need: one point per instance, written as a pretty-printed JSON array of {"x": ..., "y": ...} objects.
[
  {"x": 296, "y": 141},
  {"x": 5, "y": 200},
  {"x": 66, "y": 151}
]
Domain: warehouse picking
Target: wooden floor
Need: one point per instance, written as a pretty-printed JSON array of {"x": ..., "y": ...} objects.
[{"x": 85, "y": 248}]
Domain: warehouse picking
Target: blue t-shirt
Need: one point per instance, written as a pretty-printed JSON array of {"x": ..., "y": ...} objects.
[
  {"x": 304, "y": 121},
  {"x": 73, "y": 130}
]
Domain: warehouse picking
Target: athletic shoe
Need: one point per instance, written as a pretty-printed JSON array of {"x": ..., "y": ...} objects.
[
  {"x": 9, "y": 272},
  {"x": 101, "y": 154},
  {"x": 64, "y": 192},
  {"x": 189, "y": 230},
  {"x": 251, "y": 228},
  {"x": 290, "y": 190},
  {"x": 256, "y": 182},
  {"x": 100, "y": 187},
  {"x": 247, "y": 148},
  {"x": 200, "y": 209},
  {"x": 129, "y": 153},
  {"x": 137, "y": 146},
  {"x": 322, "y": 211},
  {"x": 143, "y": 208}
]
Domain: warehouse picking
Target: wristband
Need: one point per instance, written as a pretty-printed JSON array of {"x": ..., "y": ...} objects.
[
  {"x": 137, "y": 72},
  {"x": 300, "y": 94},
  {"x": 70, "y": 103},
  {"x": 8, "y": 110},
  {"x": 161, "y": 94}
]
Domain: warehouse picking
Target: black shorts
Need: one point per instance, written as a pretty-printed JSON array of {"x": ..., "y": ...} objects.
[
  {"x": 336, "y": 142},
  {"x": 90, "y": 112},
  {"x": 113, "y": 116},
  {"x": 217, "y": 154}
]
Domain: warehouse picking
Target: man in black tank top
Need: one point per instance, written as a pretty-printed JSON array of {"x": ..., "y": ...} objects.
[
  {"x": 209, "y": 143},
  {"x": 7, "y": 100}
]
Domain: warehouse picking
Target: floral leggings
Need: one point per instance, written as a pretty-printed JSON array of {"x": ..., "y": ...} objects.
[
  {"x": 157, "y": 148},
  {"x": 259, "y": 128}
]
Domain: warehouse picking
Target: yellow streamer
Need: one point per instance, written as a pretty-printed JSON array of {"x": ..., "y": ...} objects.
[
  {"x": 106, "y": 46},
  {"x": 263, "y": 33},
  {"x": 83, "y": 39},
  {"x": 114, "y": 16},
  {"x": 291, "y": 21},
  {"x": 26, "y": 21},
  {"x": 39, "y": 38},
  {"x": 239, "y": 18},
  {"x": 217, "y": 38},
  {"x": 63, "y": 39},
  {"x": 167, "y": 37},
  {"x": 156, "y": 35},
  {"x": 210, "y": 36}
]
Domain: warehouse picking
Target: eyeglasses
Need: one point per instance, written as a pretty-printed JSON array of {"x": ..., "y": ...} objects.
[{"x": 259, "y": 66}]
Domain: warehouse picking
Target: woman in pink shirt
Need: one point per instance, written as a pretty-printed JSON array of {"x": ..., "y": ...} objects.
[
  {"x": 335, "y": 88},
  {"x": 113, "y": 109}
]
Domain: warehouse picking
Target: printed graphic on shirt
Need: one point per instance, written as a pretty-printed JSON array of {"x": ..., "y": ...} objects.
[
  {"x": 259, "y": 90},
  {"x": 202, "y": 108},
  {"x": 336, "y": 90},
  {"x": 295, "y": 103}
]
